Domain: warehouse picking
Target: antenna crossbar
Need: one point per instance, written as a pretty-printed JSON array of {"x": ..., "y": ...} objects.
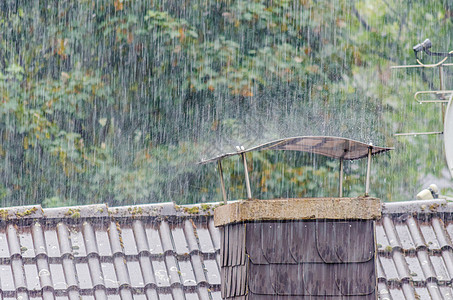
[
  {"x": 418, "y": 133},
  {"x": 440, "y": 93},
  {"x": 421, "y": 66}
]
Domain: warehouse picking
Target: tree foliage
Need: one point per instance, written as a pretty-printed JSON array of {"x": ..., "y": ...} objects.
[{"x": 115, "y": 100}]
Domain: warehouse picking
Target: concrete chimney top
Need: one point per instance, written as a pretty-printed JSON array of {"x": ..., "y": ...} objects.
[{"x": 361, "y": 208}]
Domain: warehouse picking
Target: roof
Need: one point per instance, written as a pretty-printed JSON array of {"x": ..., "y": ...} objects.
[
  {"x": 149, "y": 252},
  {"x": 415, "y": 250},
  {"x": 162, "y": 251},
  {"x": 330, "y": 146}
]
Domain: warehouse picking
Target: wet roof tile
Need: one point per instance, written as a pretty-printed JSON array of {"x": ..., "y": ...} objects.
[
  {"x": 187, "y": 274},
  {"x": 179, "y": 240},
  {"x": 31, "y": 276},
  {"x": 440, "y": 231},
  {"x": 128, "y": 240},
  {"x": 189, "y": 235},
  {"x": 165, "y": 237},
  {"x": 6, "y": 278},
  {"x": 102, "y": 241},
  {"x": 388, "y": 269},
  {"x": 147, "y": 271},
  {"x": 58, "y": 277},
  {"x": 140, "y": 237},
  {"x": 160, "y": 272},
  {"x": 404, "y": 235},
  {"x": 154, "y": 241},
  {"x": 4, "y": 249},
  {"x": 401, "y": 267},
  {"x": 212, "y": 272},
  {"x": 136, "y": 278},
  {"x": 83, "y": 275},
  {"x": 446, "y": 292},
  {"x": 108, "y": 272},
  {"x": 415, "y": 269}
]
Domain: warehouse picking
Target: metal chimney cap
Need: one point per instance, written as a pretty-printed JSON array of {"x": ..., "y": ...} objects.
[{"x": 330, "y": 146}]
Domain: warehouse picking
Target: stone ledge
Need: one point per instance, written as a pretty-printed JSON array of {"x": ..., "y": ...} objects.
[{"x": 365, "y": 208}]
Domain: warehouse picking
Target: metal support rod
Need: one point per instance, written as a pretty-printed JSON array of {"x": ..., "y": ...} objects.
[
  {"x": 442, "y": 87},
  {"x": 440, "y": 93},
  {"x": 222, "y": 182},
  {"x": 247, "y": 180},
  {"x": 368, "y": 171},
  {"x": 441, "y": 78},
  {"x": 418, "y": 133},
  {"x": 340, "y": 192},
  {"x": 420, "y": 66}
]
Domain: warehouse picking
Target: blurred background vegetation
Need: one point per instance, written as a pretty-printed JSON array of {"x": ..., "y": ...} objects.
[{"x": 116, "y": 100}]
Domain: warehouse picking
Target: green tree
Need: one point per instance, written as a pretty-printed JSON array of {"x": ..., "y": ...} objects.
[{"x": 115, "y": 100}]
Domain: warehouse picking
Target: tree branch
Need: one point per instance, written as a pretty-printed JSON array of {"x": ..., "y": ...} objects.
[
  {"x": 362, "y": 20},
  {"x": 391, "y": 8},
  {"x": 402, "y": 24}
]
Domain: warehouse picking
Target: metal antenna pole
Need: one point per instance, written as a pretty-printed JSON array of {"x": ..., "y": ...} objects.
[
  {"x": 222, "y": 182},
  {"x": 247, "y": 180},
  {"x": 340, "y": 193},
  {"x": 368, "y": 171},
  {"x": 442, "y": 87}
]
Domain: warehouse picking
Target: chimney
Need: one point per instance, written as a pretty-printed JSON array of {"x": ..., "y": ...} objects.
[
  {"x": 303, "y": 248},
  {"x": 299, "y": 248}
]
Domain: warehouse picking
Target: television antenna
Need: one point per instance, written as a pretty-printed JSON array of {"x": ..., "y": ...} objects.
[{"x": 440, "y": 96}]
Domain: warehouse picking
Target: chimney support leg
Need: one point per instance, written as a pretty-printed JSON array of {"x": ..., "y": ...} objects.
[
  {"x": 222, "y": 182},
  {"x": 340, "y": 192},
  {"x": 368, "y": 171},
  {"x": 247, "y": 180}
]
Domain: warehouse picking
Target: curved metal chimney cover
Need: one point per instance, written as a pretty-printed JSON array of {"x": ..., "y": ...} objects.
[{"x": 330, "y": 146}]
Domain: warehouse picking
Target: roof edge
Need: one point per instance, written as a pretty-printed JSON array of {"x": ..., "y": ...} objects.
[
  {"x": 418, "y": 206},
  {"x": 168, "y": 209},
  {"x": 164, "y": 209}
]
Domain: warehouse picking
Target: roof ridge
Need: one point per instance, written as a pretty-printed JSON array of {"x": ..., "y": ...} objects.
[
  {"x": 104, "y": 211},
  {"x": 163, "y": 209},
  {"x": 418, "y": 206}
]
